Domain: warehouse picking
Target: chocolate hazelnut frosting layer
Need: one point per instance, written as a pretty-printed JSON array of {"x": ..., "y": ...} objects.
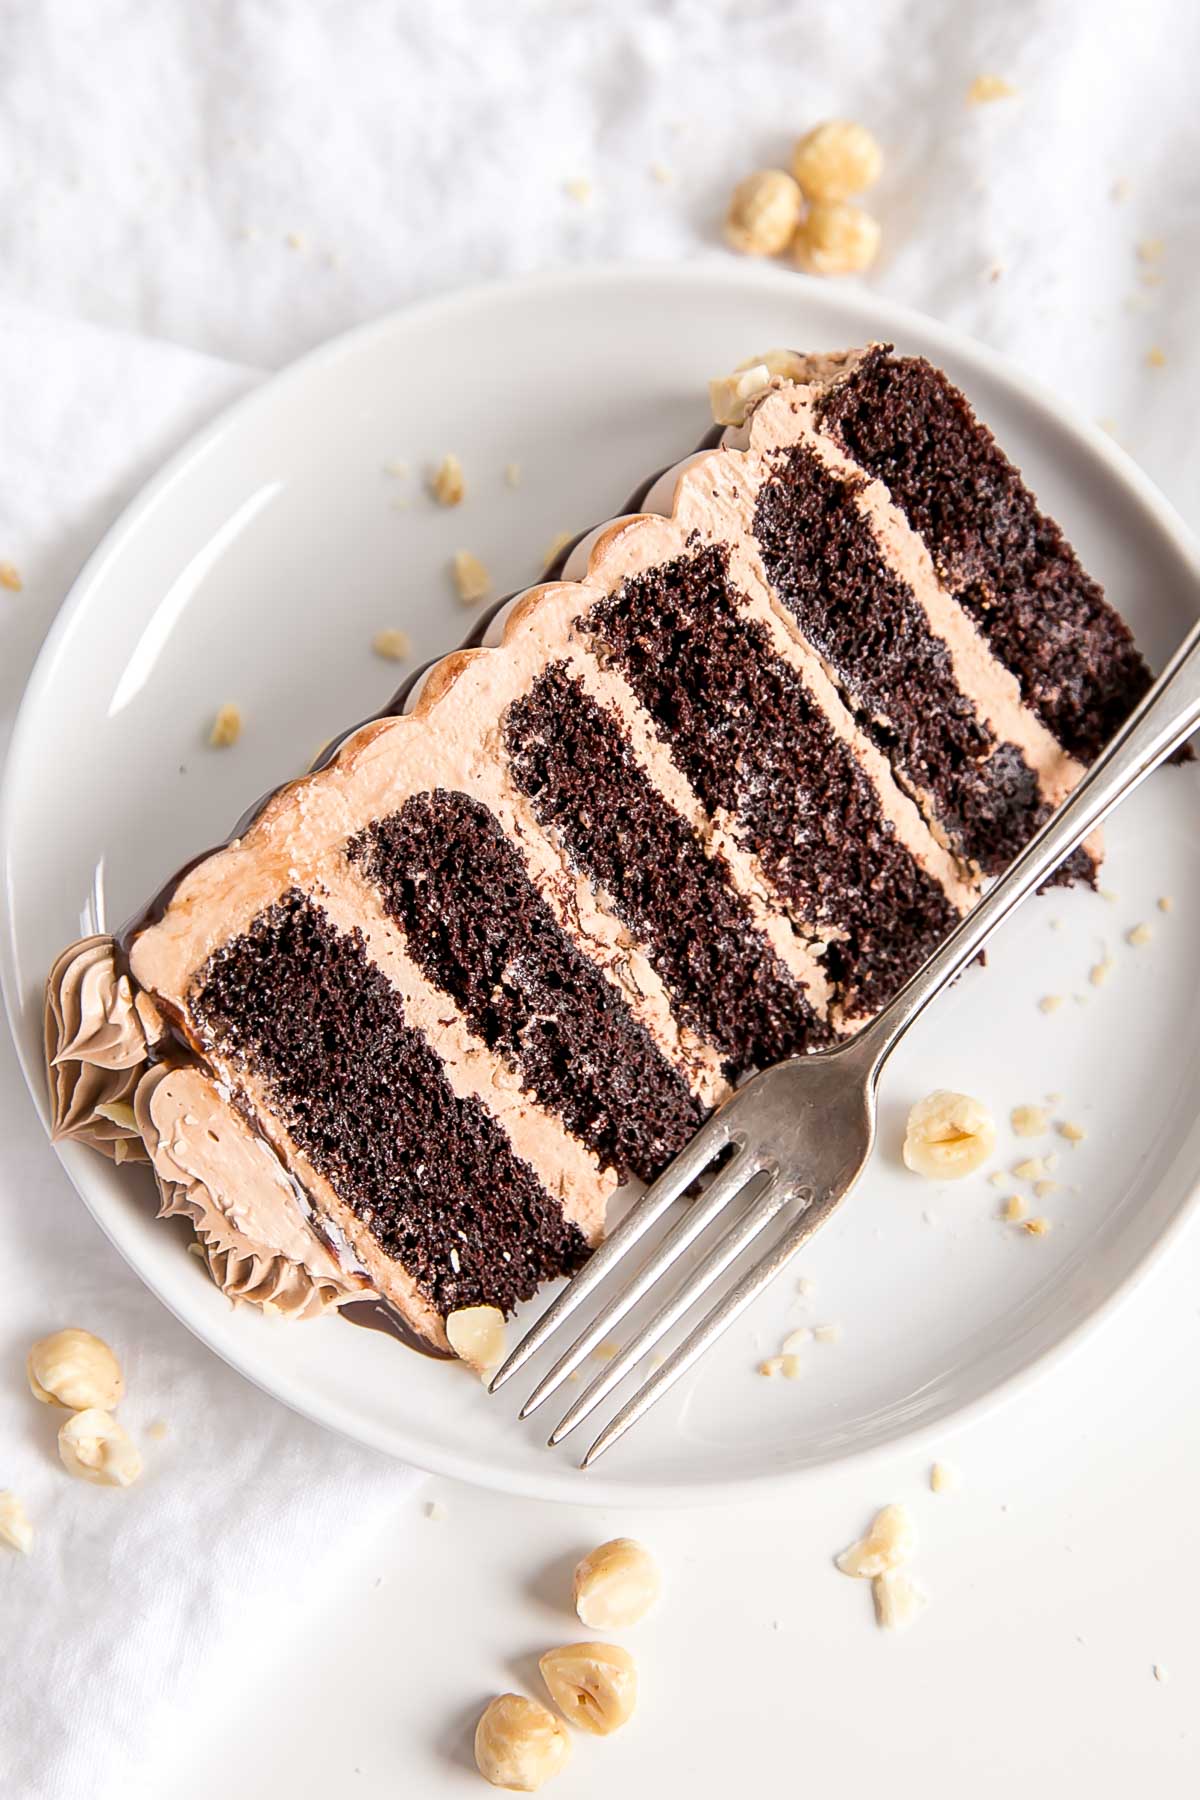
[{"x": 703, "y": 802}]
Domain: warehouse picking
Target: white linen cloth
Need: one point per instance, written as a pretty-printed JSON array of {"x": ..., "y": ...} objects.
[{"x": 190, "y": 195}]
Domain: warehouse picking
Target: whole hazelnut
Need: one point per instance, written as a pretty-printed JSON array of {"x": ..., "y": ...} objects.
[
  {"x": 836, "y": 238},
  {"x": 948, "y": 1135},
  {"x": 837, "y": 159},
  {"x": 73, "y": 1368},
  {"x": 519, "y": 1744},
  {"x": 763, "y": 213},
  {"x": 616, "y": 1584},
  {"x": 594, "y": 1686}
]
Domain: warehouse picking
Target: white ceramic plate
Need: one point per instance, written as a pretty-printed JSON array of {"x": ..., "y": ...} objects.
[{"x": 258, "y": 566}]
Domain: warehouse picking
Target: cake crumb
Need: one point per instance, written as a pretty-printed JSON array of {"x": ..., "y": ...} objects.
[
  {"x": 1138, "y": 936},
  {"x": 393, "y": 645},
  {"x": 1073, "y": 1133},
  {"x": 1050, "y": 1003},
  {"x": 555, "y": 547},
  {"x": 826, "y": 1334},
  {"x": 1014, "y": 1208},
  {"x": 512, "y": 474},
  {"x": 1150, "y": 249},
  {"x": 1029, "y": 1121},
  {"x": 1165, "y": 903},
  {"x": 1156, "y": 356},
  {"x": 157, "y": 1431},
  {"x": 1036, "y": 1227},
  {"x": 435, "y": 1510},
  {"x": 447, "y": 484},
  {"x": 1099, "y": 972},
  {"x": 1160, "y": 1673},
  {"x": 10, "y": 577},
  {"x": 226, "y": 727},
  {"x": 471, "y": 578},
  {"x": 1031, "y": 1169},
  {"x": 579, "y": 189},
  {"x": 1043, "y": 1189},
  {"x": 986, "y": 88},
  {"x": 944, "y": 1478}
]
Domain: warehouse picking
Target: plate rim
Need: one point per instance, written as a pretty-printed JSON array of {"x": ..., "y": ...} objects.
[{"x": 882, "y": 318}]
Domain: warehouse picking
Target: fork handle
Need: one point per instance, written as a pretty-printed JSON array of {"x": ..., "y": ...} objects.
[{"x": 1165, "y": 718}]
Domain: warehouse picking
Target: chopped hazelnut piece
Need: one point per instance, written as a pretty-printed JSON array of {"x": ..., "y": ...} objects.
[
  {"x": 470, "y": 577},
  {"x": 986, "y": 88},
  {"x": 1029, "y": 1121},
  {"x": 944, "y": 1478},
  {"x": 1014, "y": 1208},
  {"x": 10, "y": 577},
  {"x": 226, "y": 727},
  {"x": 1165, "y": 903},
  {"x": 594, "y": 1686},
  {"x": 1099, "y": 973},
  {"x": 15, "y": 1527},
  {"x": 1050, "y": 1003},
  {"x": 890, "y": 1542},
  {"x": 827, "y": 1334},
  {"x": 393, "y": 645},
  {"x": 1156, "y": 357},
  {"x": 898, "y": 1600},
  {"x": 446, "y": 484},
  {"x": 1073, "y": 1133},
  {"x": 794, "y": 1340},
  {"x": 1031, "y": 1169},
  {"x": 1139, "y": 936},
  {"x": 1036, "y": 1227}
]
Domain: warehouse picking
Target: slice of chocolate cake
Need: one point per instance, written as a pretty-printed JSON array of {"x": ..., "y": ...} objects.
[{"x": 703, "y": 800}]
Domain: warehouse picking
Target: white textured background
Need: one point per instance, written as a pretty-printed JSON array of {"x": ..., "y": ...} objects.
[{"x": 196, "y": 191}]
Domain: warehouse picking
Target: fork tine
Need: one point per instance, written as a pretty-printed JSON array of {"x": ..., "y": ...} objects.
[
  {"x": 716, "y": 1321},
  {"x": 755, "y": 1219},
  {"x": 692, "y": 1161},
  {"x": 724, "y": 1188}
]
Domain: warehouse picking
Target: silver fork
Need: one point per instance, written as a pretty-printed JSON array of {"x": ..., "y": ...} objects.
[{"x": 802, "y": 1131}]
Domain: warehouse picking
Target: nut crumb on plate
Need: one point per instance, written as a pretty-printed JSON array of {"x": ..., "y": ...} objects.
[
  {"x": 1036, "y": 1227},
  {"x": 1139, "y": 935},
  {"x": 579, "y": 189},
  {"x": 471, "y": 579},
  {"x": 1050, "y": 1003},
  {"x": 446, "y": 484},
  {"x": 1156, "y": 357},
  {"x": 1099, "y": 973},
  {"x": 393, "y": 645},
  {"x": 435, "y": 1510},
  {"x": 1073, "y": 1133},
  {"x": 1031, "y": 1169},
  {"x": 1149, "y": 250},
  {"x": 1165, "y": 903},
  {"x": 948, "y": 1135},
  {"x": 827, "y": 1334},
  {"x": 795, "y": 1339},
  {"x": 1044, "y": 1189},
  {"x": 157, "y": 1430},
  {"x": 226, "y": 727},
  {"x": 1029, "y": 1121},
  {"x": 1014, "y": 1208},
  {"x": 10, "y": 577},
  {"x": 16, "y": 1529}
]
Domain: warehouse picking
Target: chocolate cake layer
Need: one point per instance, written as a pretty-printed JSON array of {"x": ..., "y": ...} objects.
[
  {"x": 754, "y": 745},
  {"x": 431, "y": 1175},
  {"x": 825, "y": 564},
  {"x": 1008, "y": 564},
  {"x": 479, "y": 930},
  {"x": 571, "y": 759}
]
